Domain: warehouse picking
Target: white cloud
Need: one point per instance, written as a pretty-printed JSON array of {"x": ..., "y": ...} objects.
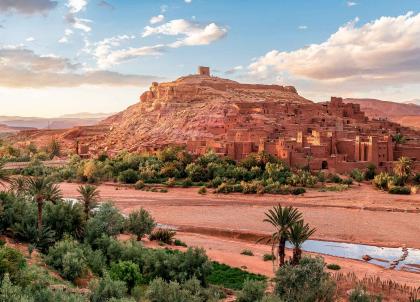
[
  {"x": 351, "y": 3},
  {"x": 27, "y": 7},
  {"x": 187, "y": 1},
  {"x": 157, "y": 19},
  {"x": 65, "y": 38},
  {"x": 76, "y": 6},
  {"x": 191, "y": 33},
  {"x": 234, "y": 70},
  {"x": 302, "y": 27},
  {"x": 385, "y": 51},
  {"x": 163, "y": 8},
  {"x": 21, "y": 67},
  {"x": 30, "y": 39}
]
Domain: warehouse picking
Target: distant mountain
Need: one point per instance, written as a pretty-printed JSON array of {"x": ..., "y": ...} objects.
[
  {"x": 4, "y": 129},
  {"x": 406, "y": 113},
  {"x": 62, "y": 122}
]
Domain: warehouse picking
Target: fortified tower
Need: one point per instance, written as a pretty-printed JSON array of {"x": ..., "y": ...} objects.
[{"x": 204, "y": 71}]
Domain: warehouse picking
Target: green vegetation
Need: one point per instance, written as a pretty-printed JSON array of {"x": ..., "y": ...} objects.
[
  {"x": 229, "y": 277},
  {"x": 247, "y": 252},
  {"x": 258, "y": 173},
  {"x": 163, "y": 235},
  {"x": 269, "y": 257},
  {"x": 140, "y": 223},
  {"x": 396, "y": 182},
  {"x": 334, "y": 267}
]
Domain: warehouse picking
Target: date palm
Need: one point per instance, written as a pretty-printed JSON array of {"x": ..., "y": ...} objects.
[
  {"x": 282, "y": 219},
  {"x": 18, "y": 185},
  {"x": 89, "y": 195},
  {"x": 42, "y": 190},
  {"x": 403, "y": 167},
  {"x": 298, "y": 234}
]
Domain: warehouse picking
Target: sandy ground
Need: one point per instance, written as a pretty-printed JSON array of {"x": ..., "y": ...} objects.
[{"x": 217, "y": 222}]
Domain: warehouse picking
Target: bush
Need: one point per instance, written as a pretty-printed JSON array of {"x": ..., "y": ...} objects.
[
  {"x": 171, "y": 182},
  {"x": 202, "y": 191},
  {"x": 399, "y": 190},
  {"x": 381, "y": 181},
  {"x": 139, "y": 185},
  {"x": 357, "y": 175},
  {"x": 126, "y": 271},
  {"x": 140, "y": 223},
  {"x": 298, "y": 191},
  {"x": 334, "y": 267},
  {"x": 370, "y": 172},
  {"x": 360, "y": 295},
  {"x": 67, "y": 256},
  {"x": 347, "y": 181},
  {"x": 334, "y": 188},
  {"x": 163, "y": 235},
  {"x": 334, "y": 178},
  {"x": 304, "y": 282},
  {"x": 252, "y": 291},
  {"x": 416, "y": 179},
  {"x": 247, "y": 252},
  {"x": 178, "y": 242},
  {"x": 105, "y": 289},
  {"x": 187, "y": 183},
  {"x": 269, "y": 257},
  {"x": 11, "y": 262},
  {"x": 107, "y": 220},
  {"x": 128, "y": 176},
  {"x": 12, "y": 293}
]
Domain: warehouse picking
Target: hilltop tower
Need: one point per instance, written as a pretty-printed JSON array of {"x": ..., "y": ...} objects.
[{"x": 204, "y": 71}]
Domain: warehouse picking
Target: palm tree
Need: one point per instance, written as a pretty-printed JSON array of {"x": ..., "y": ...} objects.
[
  {"x": 4, "y": 177},
  {"x": 403, "y": 167},
  {"x": 89, "y": 195},
  {"x": 282, "y": 220},
  {"x": 18, "y": 185},
  {"x": 299, "y": 233},
  {"x": 399, "y": 139},
  {"x": 42, "y": 189}
]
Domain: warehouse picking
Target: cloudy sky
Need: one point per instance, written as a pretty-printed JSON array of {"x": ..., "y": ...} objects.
[{"x": 69, "y": 56}]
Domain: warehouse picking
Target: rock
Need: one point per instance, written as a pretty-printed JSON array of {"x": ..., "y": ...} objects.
[{"x": 367, "y": 258}]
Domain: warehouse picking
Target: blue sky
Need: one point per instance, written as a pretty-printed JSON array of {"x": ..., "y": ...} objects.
[{"x": 70, "y": 56}]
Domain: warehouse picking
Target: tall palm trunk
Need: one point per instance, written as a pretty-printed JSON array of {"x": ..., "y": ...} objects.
[
  {"x": 297, "y": 255},
  {"x": 39, "y": 203},
  {"x": 282, "y": 250},
  {"x": 87, "y": 211}
]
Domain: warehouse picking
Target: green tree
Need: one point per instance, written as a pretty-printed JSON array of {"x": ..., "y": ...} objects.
[
  {"x": 54, "y": 148},
  {"x": 298, "y": 234},
  {"x": 42, "y": 190},
  {"x": 140, "y": 223},
  {"x": 89, "y": 195},
  {"x": 281, "y": 219},
  {"x": 126, "y": 271}
]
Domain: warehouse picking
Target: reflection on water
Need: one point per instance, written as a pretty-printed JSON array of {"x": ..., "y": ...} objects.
[{"x": 381, "y": 256}]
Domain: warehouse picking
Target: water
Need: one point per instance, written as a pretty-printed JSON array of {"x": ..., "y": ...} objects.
[{"x": 382, "y": 256}]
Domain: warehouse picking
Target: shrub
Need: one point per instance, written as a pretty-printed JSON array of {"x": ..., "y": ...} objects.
[
  {"x": 334, "y": 188},
  {"x": 247, "y": 252},
  {"x": 334, "y": 267},
  {"x": 370, "y": 172},
  {"x": 334, "y": 178},
  {"x": 187, "y": 183},
  {"x": 68, "y": 258},
  {"x": 12, "y": 293},
  {"x": 105, "y": 289},
  {"x": 107, "y": 220},
  {"x": 139, "y": 185},
  {"x": 11, "y": 262},
  {"x": 347, "y": 181},
  {"x": 277, "y": 188},
  {"x": 178, "y": 242},
  {"x": 381, "y": 181},
  {"x": 416, "y": 179},
  {"x": 304, "y": 282},
  {"x": 357, "y": 175},
  {"x": 126, "y": 271},
  {"x": 140, "y": 223},
  {"x": 171, "y": 182},
  {"x": 202, "y": 191},
  {"x": 128, "y": 176},
  {"x": 163, "y": 235},
  {"x": 195, "y": 172},
  {"x": 298, "y": 191},
  {"x": 269, "y": 257},
  {"x": 360, "y": 295},
  {"x": 399, "y": 190},
  {"x": 252, "y": 291}
]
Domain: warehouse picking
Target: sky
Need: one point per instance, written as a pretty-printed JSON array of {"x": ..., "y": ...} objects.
[{"x": 67, "y": 56}]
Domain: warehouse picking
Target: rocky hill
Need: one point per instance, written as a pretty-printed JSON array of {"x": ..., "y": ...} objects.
[
  {"x": 195, "y": 106},
  {"x": 407, "y": 114}
]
